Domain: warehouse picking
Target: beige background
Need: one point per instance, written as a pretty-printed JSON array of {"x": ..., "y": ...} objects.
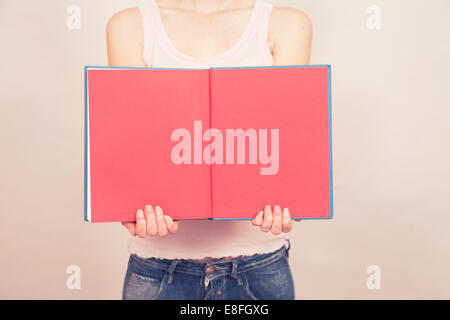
[{"x": 391, "y": 153}]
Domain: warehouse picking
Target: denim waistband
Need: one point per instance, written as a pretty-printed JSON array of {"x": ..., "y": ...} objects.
[{"x": 222, "y": 267}]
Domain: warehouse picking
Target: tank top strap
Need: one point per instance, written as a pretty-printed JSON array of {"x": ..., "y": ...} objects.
[
  {"x": 264, "y": 12},
  {"x": 149, "y": 30}
]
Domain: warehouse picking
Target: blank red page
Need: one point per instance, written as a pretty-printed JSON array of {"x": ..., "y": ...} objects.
[
  {"x": 132, "y": 114},
  {"x": 294, "y": 100}
]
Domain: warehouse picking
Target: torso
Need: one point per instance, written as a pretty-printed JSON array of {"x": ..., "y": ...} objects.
[{"x": 192, "y": 39}]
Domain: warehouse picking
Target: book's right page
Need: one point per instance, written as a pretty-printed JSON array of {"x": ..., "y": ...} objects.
[{"x": 275, "y": 126}]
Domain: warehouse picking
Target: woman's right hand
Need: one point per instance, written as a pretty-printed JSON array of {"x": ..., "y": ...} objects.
[{"x": 151, "y": 222}]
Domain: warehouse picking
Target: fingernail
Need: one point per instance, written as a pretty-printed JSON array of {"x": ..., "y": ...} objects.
[
  {"x": 148, "y": 208},
  {"x": 169, "y": 220},
  {"x": 267, "y": 207},
  {"x": 140, "y": 213},
  {"x": 286, "y": 213},
  {"x": 158, "y": 210},
  {"x": 277, "y": 209}
]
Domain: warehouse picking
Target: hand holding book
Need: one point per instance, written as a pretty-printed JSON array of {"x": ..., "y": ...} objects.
[
  {"x": 277, "y": 221},
  {"x": 153, "y": 222}
]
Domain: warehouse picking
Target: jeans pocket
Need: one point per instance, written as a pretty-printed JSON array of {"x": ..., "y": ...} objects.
[
  {"x": 249, "y": 292},
  {"x": 270, "y": 282},
  {"x": 140, "y": 287}
]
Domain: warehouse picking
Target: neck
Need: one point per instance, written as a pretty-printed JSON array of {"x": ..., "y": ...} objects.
[{"x": 208, "y": 6}]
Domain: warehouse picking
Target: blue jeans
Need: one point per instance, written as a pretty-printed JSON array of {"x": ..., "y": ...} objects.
[{"x": 261, "y": 276}]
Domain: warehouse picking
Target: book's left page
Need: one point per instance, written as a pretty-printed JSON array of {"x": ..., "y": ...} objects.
[{"x": 139, "y": 124}]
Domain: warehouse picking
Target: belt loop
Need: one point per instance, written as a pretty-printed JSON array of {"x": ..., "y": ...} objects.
[
  {"x": 234, "y": 272},
  {"x": 288, "y": 246},
  {"x": 171, "y": 269}
]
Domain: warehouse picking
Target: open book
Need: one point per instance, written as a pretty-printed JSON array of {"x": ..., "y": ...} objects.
[{"x": 217, "y": 143}]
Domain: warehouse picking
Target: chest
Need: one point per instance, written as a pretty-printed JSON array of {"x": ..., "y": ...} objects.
[{"x": 200, "y": 35}]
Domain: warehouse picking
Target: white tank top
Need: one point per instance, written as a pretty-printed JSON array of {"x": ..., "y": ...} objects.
[{"x": 202, "y": 238}]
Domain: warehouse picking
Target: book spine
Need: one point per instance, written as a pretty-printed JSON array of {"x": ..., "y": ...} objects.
[{"x": 210, "y": 83}]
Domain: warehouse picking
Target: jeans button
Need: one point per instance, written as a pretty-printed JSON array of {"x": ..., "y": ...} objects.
[{"x": 210, "y": 269}]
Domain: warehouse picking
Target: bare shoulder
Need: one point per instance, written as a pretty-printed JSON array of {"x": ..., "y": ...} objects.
[
  {"x": 127, "y": 21},
  {"x": 290, "y": 20},
  {"x": 125, "y": 38},
  {"x": 290, "y": 36}
]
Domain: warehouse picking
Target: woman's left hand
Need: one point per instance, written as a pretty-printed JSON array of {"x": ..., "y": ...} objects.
[{"x": 277, "y": 221}]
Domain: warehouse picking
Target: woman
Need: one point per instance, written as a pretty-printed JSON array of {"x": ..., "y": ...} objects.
[{"x": 203, "y": 259}]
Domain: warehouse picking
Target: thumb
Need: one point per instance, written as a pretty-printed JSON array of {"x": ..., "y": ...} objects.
[
  {"x": 257, "y": 221},
  {"x": 130, "y": 225},
  {"x": 172, "y": 226}
]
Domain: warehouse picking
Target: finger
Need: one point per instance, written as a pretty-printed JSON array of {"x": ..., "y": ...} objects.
[
  {"x": 162, "y": 227},
  {"x": 150, "y": 217},
  {"x": 172, "y": 226},
  {"x": 140, "y": 224},
  {"x": 287, "y": 221},
  {"x": 267, "y": 220},
  {"x": 257, "y": 221},
  {"x": 131, "y": 226},
  {"x": 277, "y": 220}
]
